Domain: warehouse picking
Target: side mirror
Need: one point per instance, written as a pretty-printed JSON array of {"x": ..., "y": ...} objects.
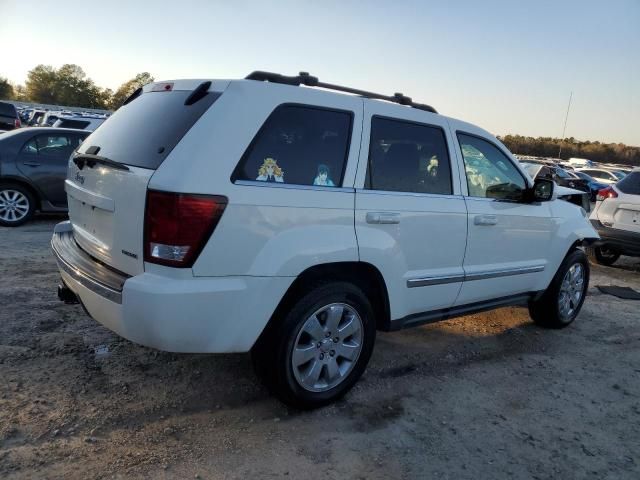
[{"x": 542, "y": 190}]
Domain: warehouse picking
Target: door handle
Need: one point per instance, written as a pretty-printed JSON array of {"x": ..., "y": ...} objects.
[
  {"x": 31, "y": 164},
  {"x": 486, "y": 220},
  {"x": 383, "y": 217}
]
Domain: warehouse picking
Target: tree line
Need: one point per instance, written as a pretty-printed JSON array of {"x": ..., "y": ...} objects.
[
  {"x": 69, "y": 86},
  {"x": 570, "y": 147}
]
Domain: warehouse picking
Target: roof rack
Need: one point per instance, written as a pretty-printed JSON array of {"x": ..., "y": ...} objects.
[{"x": 303, "y": 78}]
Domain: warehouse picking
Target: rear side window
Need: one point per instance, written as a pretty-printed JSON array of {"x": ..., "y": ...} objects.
[
  {"x": 143, "y": 132},
  {"x": 299, "y": 145},
  {"x": 630, "y": 184},
  {"x": 408, "y": 157},
  {"x": 67, "y": 123},
  {"x": 52, "y": 145}
]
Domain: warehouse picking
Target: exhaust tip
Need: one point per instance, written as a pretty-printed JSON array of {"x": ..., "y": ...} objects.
[{"x": 66, "y": 295}]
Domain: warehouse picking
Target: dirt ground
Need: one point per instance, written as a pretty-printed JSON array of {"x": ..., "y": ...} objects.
[{"x": 484, "y": 396}]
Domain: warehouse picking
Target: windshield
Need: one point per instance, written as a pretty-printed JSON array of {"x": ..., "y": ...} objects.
[{"x": 143, "y": 132}]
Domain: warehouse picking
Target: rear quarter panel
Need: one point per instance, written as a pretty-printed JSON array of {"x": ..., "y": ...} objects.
[{"x": 266, "y": 230}]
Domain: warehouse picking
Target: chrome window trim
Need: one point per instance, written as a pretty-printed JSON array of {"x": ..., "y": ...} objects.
[
  {"x": 364, "y": 191},
  {"x": 441, "y": 280},
  {"x": 291, "y": 186}
]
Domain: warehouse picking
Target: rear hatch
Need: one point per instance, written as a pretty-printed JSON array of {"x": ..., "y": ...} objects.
[{"x": 108, "y": 176}]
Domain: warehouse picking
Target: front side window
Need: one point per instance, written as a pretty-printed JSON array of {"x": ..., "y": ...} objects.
[
  {"x": 408, "y": 157},
  {"x": 490, "y": 173},
  {"x": 299, "y": 145}
]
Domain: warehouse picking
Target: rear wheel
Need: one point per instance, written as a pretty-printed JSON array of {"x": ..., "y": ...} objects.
[
  {"x": 561, "y": 302},
  {"x": 17, "y": 205},
  {"x": 602, "y": 255},
  {"x": 318, "y": 350}
]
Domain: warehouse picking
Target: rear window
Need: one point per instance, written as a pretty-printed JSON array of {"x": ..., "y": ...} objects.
[
  {"x": 72, "y": 124},
  {"x": 630, "y": 184},
  {"x": 7, "y": 109},
  {"x": 143, "y": 132}
]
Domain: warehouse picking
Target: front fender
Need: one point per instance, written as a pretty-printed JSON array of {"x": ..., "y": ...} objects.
[{"x": 570, "y": 227}]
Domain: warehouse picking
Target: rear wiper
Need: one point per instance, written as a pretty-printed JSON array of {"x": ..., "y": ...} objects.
[{"x": 90, "y": 161}]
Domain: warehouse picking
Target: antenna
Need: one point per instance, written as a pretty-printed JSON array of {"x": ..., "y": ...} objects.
[{"x": 564, "y": 129}]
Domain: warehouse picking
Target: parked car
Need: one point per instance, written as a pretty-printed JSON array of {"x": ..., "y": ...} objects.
[
  {"x": 33, "y": 168},
  {"x": 49, "y": 118},
  {"x": 9, "y": 118},
  {"x": 580, "y": 162},
  {"x": 35, "y": 116},
  {"x": 294, "y": 222},
  {"x": 562, "y": 178},
  {"x": 594, "y": 185},
  {"x": 79, "y": 122},
  {"x": 601, "y": 175},
  {"x": 620, "y": 174},
  {"x": 616, "y": 217}
]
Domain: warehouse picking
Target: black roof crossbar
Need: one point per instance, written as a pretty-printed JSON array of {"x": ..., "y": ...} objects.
[{"x": 310, "y": 81}]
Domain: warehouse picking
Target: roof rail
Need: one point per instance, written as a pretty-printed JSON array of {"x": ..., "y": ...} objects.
[{"x": 303, "y": 78}]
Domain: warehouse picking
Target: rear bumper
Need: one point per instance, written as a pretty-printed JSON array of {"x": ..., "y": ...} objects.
[
  {"x": 626, "y": 243},
  {"x": 195, "y": 314}
]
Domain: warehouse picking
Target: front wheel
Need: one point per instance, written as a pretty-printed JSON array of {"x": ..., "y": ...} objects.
[
  {"x": 318, "y": 350},
  {"x": 563, "y": 299}
]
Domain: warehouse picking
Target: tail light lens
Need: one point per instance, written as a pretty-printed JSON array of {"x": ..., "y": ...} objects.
[
  {"x": 177, "y": 226},
  {"x": 605, "y": 193},
  {"x": 17, "y": 123}
]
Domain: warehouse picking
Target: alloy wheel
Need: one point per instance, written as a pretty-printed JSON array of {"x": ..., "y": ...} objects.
[
  {"x": 327, "y": 347},
  {"x": 14, "y": 205}
]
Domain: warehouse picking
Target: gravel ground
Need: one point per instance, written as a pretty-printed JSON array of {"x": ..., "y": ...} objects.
[{"x": 484, "y": 396}]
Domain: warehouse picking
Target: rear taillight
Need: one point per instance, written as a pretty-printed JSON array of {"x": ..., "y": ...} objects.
[
  {"x": 17, "y": 123},
  {"x": 605, "y": 193},
  {"x": 178, "y": 225}
]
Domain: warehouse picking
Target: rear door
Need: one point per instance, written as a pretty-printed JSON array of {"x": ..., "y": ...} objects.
[
  {"x": 411, "y": 221},
  {"x": 107, "y": 203},
  {"x": 43, "y": 159}
]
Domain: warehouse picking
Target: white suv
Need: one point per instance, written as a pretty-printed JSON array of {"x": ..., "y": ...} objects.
[
  {"x": 265, "y": 214},
  {"x": 616, "y": 217}
]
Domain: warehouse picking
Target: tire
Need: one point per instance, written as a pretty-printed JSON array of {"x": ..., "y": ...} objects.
[
  {"x": 561, "y": 302},
  {"x": 292, "y": 379},
  {"x": 17, "y": 205},
  {"x": 602, "y": 255}
]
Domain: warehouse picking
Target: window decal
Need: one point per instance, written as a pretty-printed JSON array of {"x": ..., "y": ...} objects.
[
  {"x": 270, "y": 171},
  {"x": 322, "y": 178}
]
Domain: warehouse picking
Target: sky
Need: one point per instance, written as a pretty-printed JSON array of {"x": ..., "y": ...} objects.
[{"x": 506, "y": 66}]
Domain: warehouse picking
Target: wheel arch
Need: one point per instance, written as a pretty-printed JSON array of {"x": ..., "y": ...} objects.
[
  {"x": 26, "y": 185},
  {"x": 362, "y": 274}
]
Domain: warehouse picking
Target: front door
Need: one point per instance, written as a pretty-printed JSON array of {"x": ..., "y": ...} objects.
[
  {"x": 509, "y": 241},
  {"x": 411, "y": 220}
]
